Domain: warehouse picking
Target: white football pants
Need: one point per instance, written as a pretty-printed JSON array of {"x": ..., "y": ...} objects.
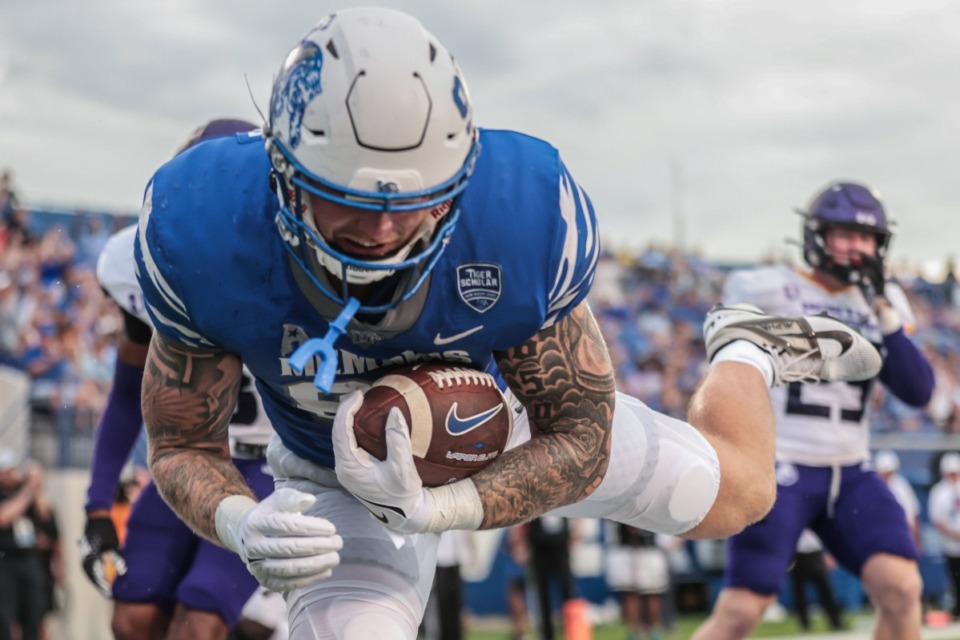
[{"x": 663, "y": 476}]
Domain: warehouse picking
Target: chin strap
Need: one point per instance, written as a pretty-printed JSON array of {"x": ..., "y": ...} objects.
[{"x": 323, "y": 349}]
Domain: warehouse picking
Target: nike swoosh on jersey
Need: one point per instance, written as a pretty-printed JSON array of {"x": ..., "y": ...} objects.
[
  {"x": 458, "y": 426},
  {"x": 439, "y": 340}
]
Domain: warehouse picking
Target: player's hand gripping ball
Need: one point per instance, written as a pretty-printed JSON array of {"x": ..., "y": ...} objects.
[{"x": 459, "y": 421}]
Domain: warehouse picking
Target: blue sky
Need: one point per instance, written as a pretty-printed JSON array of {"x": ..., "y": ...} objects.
[{"x": 730, "y": 113}]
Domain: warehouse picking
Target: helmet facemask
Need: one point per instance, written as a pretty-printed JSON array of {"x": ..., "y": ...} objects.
[{"x": 320, "y": 260}]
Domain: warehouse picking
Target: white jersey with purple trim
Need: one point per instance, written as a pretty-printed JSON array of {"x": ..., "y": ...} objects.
[
  {"x": 827, "y": 423},
  {"x": 116, "y": 272}
]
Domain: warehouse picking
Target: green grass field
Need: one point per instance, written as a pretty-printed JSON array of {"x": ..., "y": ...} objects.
[{"x": 685, "y": 627}]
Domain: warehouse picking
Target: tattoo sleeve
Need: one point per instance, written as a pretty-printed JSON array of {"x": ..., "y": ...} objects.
[
  {"x": 188, "y": 399},
  {"x": 564, "y": 378}
]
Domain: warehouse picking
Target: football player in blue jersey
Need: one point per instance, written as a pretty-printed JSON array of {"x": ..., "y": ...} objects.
[
  {"x": 165, "y": 581},
  {"x": 373, "y": 226},
  {"x": 825, "y": 479}
]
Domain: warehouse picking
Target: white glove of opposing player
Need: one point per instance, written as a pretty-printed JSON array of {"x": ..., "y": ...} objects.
[
  {"x": 391, "y": 489},
  {"x": 283, "y": 548}
]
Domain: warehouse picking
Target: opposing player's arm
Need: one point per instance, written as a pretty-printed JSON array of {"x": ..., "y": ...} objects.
[
  {"x": 120, "y": 421},
  {"x": 563, "y": 376},
  {"x": 189, "y": 396}
]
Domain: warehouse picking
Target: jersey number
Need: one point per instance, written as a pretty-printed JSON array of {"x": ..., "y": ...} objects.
[
  {"x": 313, "y": 401},
  {"x": 796, "y": 406}
]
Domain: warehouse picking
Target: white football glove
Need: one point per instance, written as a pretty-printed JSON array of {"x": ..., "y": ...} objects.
[
  {"x": 391, "y": 489},
  {"x": 283, "y": 548}
]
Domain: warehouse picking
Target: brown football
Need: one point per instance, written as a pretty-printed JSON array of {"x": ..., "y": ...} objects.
[{"x": 459, "y": 420}]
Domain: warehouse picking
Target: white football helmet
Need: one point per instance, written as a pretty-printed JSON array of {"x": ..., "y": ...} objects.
[{"x": 370, "y": 110}]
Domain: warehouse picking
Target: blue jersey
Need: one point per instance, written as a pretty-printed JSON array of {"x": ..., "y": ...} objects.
[{"x": 215, "y": 274}]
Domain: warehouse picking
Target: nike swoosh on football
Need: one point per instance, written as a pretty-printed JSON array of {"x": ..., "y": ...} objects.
[
  {"x": 439, "y": 340},
  {"x": 457, "y": 426}
]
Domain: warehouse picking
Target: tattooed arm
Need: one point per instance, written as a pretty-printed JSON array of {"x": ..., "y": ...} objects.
[
  {"x": 565, "y": 379},
  {"x": 189, "y": 397}
]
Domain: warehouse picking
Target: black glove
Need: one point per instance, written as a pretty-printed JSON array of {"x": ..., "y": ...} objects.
[
  {"x": 100, "y": 549},
  {"x": 872, "y": 279}
]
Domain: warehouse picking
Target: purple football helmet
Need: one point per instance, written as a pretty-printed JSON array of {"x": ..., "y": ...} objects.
[
  {"x": 215, "y": 129},
  {"x": 849, "y": 205}
]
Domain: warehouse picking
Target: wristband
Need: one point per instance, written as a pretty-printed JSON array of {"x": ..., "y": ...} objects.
[
  {"x": 227, "y": 519},
  {"x": 889, "y": 320},
  {"x": 455, "y": 506}
]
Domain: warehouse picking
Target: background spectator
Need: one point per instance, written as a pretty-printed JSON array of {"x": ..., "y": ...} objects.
[
  {"x": 637, "y": 569},
  {"x": 51, "y": 553},
  {"x": 548, "y": 541},
  {"x": 518, "y": 558},
  {"x": 944, "y": 508},
  {"x": 811, "y": 565},
  {"x": 444, "y": 618},
  {"x": 887, "y": 464},
  {"x": 23, "y": 576}
]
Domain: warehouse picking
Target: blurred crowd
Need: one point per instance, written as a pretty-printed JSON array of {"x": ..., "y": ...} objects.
[
  {"x": 58, "y": 327},
  {"x": 55, "y": 323}
]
